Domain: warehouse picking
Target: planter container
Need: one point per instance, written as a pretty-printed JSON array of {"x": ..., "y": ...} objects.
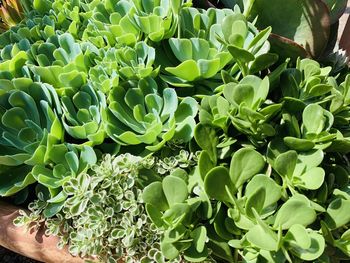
[{"x": 30, "y": 243}]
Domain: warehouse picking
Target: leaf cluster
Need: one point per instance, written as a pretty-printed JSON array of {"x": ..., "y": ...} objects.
[{"x": 157, "y": 131}]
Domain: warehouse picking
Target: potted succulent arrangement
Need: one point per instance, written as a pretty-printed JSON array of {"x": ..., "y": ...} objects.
[{"x": 174, "y": 131}]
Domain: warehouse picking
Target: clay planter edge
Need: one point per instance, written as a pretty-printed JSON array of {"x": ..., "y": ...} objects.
[{"x": 30, "y": 243}]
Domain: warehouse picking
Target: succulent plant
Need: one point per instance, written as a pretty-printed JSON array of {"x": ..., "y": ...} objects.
[
  {"x": 65, "y": 162},
  {"x": 31, "y": 30},
  {"x": 83, "y": 84},
  {"x": 197, "y": 59},
  {"x": 104, "y": 75},
  {"x": 110, "y": 24},
  {"x": 217, "y": 48},
  {"x": 242, "y": 104},
  {"x": 62, "y": 62},
  {"x": 307, "y": 83},
  {"x": 140, "y": 114},
  {"x": 136, "y": 62},
  {"x": 29, "y": 127},
  {"x": 105, "y": 205},
  {"x": 314, "y": 132},
  {"x": 169, "y": 207},
  {"x": 82, "y": 117},
  {"x": 157, "y": 20},
  {"x": 202, "y": 23}
]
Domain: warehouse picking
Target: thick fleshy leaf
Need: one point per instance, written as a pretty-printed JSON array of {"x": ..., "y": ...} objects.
[
  {"x": 153, "y": 194},
  {"x": 175, "y": 190},
  {"x": 245, "y": 163},
  {"x": 216, "y": 182},
  {"x": 338, "y": 213},
  {"x": 314, "y": 251},
  {"x": 297, "y": 235},
  {"x": 303, "y": 214},
  {"x": 187, "y": 70},
  {"x": 300, "y": 23},
  {"x": 273, "y": 191},
  {"x": 262, "y": 238}
]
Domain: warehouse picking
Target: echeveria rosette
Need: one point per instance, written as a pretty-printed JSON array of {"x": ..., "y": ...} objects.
[
  {"x": 201, "y": 22},
  {"x": 70, "y": 16},
  {"x": 136, "y": 62},
  {"x": 143, "y": 115},
  {"x": 64, "y": 162},
  {"x": 82, "y": 117},
  {"x": 198, "y": 61},
  {"x": 104, "y": 75},
  {"x": 102, "y": 80},
  {"x": 110, "y": 25},
  {"x": 158, "y": 19},
  {"x": 32, "y": 29},
  {"x": 29, "y": 128},
  {"x": 62, "y": 62}
]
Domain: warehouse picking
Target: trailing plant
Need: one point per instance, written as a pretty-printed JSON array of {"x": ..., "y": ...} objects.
[{"x": 104, "y": 214}]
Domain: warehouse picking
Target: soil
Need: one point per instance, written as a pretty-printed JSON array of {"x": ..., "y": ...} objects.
[{"x": 7, "y": 256}]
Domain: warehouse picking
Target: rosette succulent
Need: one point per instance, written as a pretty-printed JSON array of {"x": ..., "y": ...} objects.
[
  {"x": 29, "y": 129},
  {"x": 158, "y": 19},
  {"x": 197, "y": 59},
  {"x": 104, "y": 75},
  {"x": 202, "y": 23},
  {"x": 71, "y": 16},
  {"x": 31, "y": 29},
  {"x": 62, "y": 62},
  {"x": 143, "y": 115},
  {"x": 110, "y": 24},
  {"x": 136, "y": 62},
  {"x": 82, "y": 118}
]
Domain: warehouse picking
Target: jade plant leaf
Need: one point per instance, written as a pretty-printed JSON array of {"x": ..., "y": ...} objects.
[
  {"x": 302, "y": 20},
  {"x": 216, "y": 182},
  {"x": 336, "y": 213},
  {"x": 245, "y": 163},
  {"x": 298, "y": 206}
]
